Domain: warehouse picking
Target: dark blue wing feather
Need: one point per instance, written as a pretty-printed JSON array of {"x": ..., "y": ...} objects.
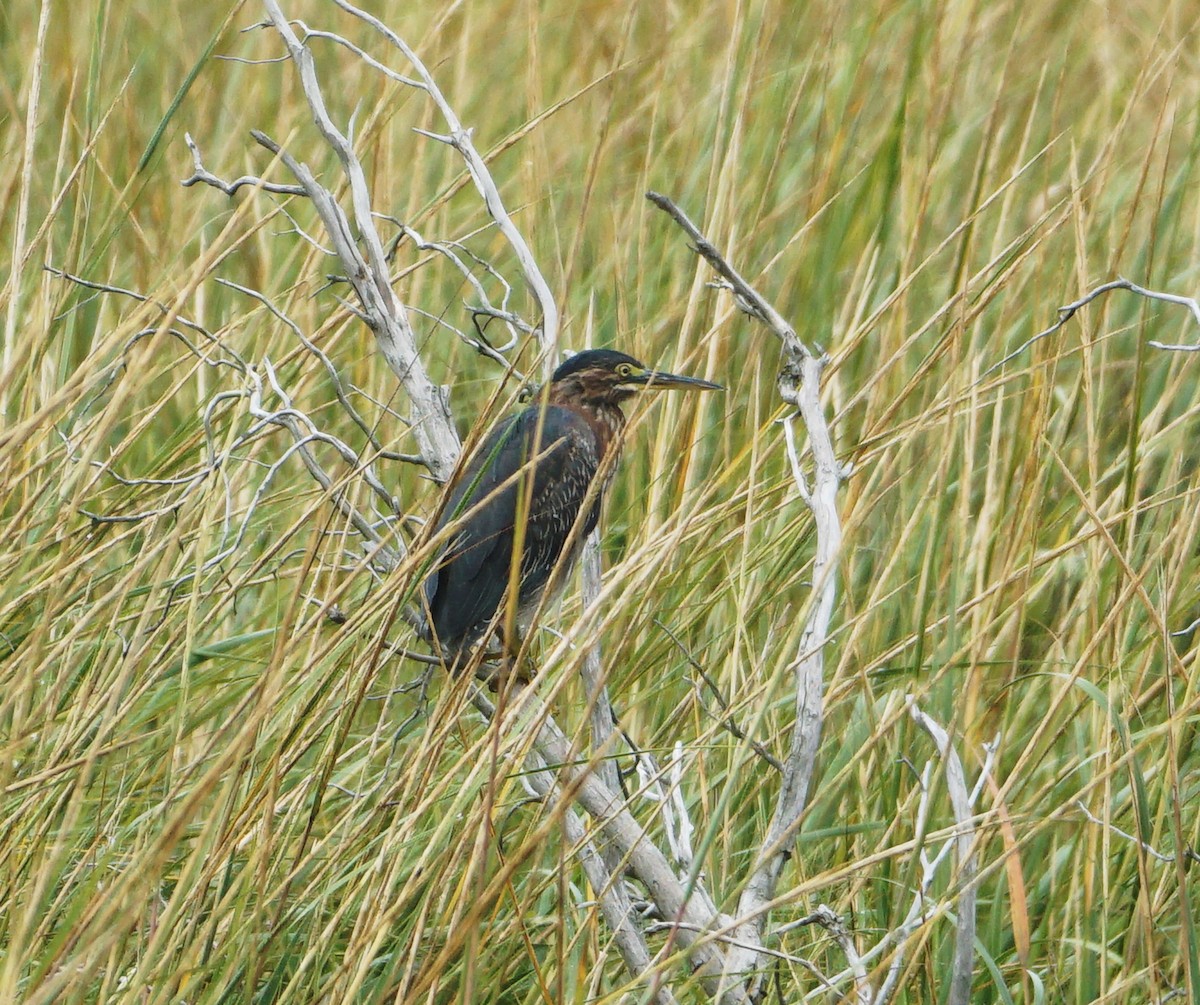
[{"x": 470, "y": 581}]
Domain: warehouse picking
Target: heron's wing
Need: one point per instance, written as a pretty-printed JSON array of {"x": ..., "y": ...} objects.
[{"x": 472, "y": 576}]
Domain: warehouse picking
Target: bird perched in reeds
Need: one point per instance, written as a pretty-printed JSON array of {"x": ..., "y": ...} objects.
[{"x": 513, "y": 510}]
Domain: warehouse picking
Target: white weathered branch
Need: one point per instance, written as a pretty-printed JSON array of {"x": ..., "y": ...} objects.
[
  {"x": 1132, "y": 838},
  {"x": 690, "y": 914},
  {"x": 368, "y": 274},
  {"x": 454, "y": 252},
  {"x": 460, "y": 139},
  {"x": 688, "y": 909},
  {"x": 202, "y": 176},
  {"x": 616, "y": 905},
  {"x": 335, "y": 378},
  {"x": 600, "y": 711},
  {"x": 433, "y": 424},
  {"x": 960, "y": 802},
  {"x": 1068, "y": 311},
  {"x": 677, "y": 823},
  {"x": 923, "y": 908},
  {"x": 800, "y": 386},
  {"x": 381, "y": 309},
  {"x": 827, "y": 918},
  {"x": 384, "y": 555}
]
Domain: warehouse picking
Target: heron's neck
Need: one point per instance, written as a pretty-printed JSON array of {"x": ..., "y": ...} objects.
[{"x": 605, "y": 418}]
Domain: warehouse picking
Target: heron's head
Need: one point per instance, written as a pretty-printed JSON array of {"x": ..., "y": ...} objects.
[{"x": 607, "y": 377}]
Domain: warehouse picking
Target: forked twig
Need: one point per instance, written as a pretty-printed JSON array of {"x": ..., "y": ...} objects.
[
  {"x": 1068, "y": 311},
  {"x": 459, "y": 138},
  {"x": 960, "y": 802},
  {"x": 799, "y": 386}
]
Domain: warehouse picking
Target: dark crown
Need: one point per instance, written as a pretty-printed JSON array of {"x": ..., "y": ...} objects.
[{"x": 592, "y": 359}]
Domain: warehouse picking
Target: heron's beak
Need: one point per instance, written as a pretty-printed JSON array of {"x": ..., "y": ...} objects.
[{"x": 660, "y": 380}]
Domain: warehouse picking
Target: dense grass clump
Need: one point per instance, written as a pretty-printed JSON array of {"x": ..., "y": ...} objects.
[{"x": 212, "y": 792}]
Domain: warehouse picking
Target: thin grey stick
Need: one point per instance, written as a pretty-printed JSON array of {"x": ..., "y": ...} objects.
[{"x": 1068, "y": 311}]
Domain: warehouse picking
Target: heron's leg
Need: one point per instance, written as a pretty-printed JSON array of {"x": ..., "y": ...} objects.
[
  {"x": 513, "y": 666},
  {"x": 520, "y": 670}
]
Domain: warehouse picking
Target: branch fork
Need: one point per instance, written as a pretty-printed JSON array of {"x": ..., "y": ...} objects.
[{"x": 799, "y": 382}]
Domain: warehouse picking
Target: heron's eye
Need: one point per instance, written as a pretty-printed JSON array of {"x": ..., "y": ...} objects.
[{"x": 624, "y": 370}]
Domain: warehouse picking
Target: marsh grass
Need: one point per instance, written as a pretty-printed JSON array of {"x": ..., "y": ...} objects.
[{"x": 205, "y": 798}]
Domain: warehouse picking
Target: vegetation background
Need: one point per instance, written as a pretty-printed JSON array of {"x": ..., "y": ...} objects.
[{"x": 203, "y": 797}]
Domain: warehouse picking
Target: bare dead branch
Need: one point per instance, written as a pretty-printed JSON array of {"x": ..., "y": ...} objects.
[
  {"x": 677, "y": 824},
  {"x": 960, "y": 801},
  {"x": 899, "y": 937},
  {"x": 749, "y": 299},
  {"x": 370, "y": 60},
  {"x": 603, "y": 720},
  {"x": 827, "y": 918},
  {"x": 774, "y": 954},
  {"x": 799, "y": 386},
  {"x": 383, "y": 552},
  {"x": 202, "y": 176},
  {"x": 367, "y": 272},
  {"x": 460, "y": 139},
  {"x": 617, "y": 908},
  {"x": 1068, "y": 311},
  {"x": 923, "y": 908},
  {"x": 455, "y": 253},
  {"x": 335, "y": 378},
  {"x": 687, "y": 908},
  {"x": 1132, "y": 838},
  {"x": 292, "y": 419}
]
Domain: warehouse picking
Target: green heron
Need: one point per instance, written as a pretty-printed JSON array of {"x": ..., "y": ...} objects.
[{"x": 535, "y": 469}]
